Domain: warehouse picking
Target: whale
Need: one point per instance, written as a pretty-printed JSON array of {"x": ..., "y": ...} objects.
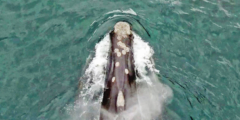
[{"x": 120, "y": 82}]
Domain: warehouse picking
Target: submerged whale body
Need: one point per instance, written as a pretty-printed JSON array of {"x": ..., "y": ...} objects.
[{"x": 120, "y": 83}]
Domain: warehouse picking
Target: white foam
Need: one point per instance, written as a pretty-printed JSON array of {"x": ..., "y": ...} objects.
[
  {"x": 91, "y": 95},
  {"x": 143, "y": 58},
  {"x": 128, "y": 11},
  {"x": 96, "y": 70}
]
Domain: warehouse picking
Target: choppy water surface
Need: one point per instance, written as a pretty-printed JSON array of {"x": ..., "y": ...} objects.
[{"x": 44, "y": 46}]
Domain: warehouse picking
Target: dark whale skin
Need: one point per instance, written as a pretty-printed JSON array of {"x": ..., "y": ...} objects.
[{"x": 123, "y": 82}]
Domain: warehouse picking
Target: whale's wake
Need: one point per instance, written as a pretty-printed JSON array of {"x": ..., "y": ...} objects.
[{"x": 151, "y": 94}]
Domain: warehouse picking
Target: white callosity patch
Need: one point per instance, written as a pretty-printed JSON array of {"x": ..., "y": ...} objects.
[
  {"x": 126, "y": 71},
  {"x": 119, "y": 37},
  {"x": 119, "y": 54},
  {"x": 122, "y": 29},
  {"x": 120, "y": 99},
  {"x": 117, "y": 64},
  {"x": 126, "y": 49},
  {"x": 123, "y": 52},
  {"x": 113, "y": 79},
  {"x": 116, "y": 50},
  {"x": 122, "y": 45}
]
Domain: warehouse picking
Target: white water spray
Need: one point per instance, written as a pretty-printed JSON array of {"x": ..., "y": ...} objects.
[{"x": 151, "y": 93}]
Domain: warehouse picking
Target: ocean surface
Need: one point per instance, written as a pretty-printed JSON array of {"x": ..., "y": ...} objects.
[{"x": 45, "y": 44}]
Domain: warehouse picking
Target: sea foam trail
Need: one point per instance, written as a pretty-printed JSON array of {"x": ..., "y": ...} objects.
[{"x": 151, "y": 93}]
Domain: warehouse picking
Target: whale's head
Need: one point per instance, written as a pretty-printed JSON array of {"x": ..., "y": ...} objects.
[{"x": 122, "y": 29}]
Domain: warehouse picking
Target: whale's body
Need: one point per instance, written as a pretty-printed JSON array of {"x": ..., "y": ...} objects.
[{"x": 120, "y": 83}]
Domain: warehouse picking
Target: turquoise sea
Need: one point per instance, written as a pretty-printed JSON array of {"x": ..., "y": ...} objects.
[{"x": 44, "y": 45}]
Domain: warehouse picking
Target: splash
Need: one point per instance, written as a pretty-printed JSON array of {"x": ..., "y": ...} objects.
[{"x": 151, "y": 94}]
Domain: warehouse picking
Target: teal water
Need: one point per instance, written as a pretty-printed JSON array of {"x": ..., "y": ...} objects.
[{"x": 44, "y": 46}]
